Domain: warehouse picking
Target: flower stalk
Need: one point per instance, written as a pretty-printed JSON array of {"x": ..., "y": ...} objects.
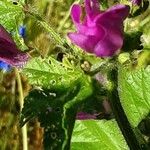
[{"x": 21, "y": 101}]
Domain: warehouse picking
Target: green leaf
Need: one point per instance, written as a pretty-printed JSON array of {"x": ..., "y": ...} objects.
[
  {"x": 97, "y": 135},
  {"x": 10, "y": 15},
  {"x": 56, "y": 111},
  {"x": 134, "y": 92},
  {"x": 50, "y": 73},
  {"x": 55, "y": 104}
]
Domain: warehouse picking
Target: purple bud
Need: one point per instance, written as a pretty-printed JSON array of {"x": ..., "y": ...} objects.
[
  {"x": 9, "y": 53},
  {"x": 100, "y": 32}
]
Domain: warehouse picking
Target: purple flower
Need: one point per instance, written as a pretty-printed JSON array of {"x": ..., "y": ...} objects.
[
  {"x": 100, "y": 32},
  {"x": 136, "y": 2},
  {"x": 9, "y": 53}
]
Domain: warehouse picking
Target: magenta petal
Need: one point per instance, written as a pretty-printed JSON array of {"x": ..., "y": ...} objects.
[
  {"x": 92, "y": 6},
  {"x": 101, "y": 31},
  {"x": 76, "y": 13},
  {"x": 110, "y": 44},
  {"x": 113, "y": 15},
  {"x": 88, "y": 6},
  {"x": 85, "y": 42},
  {"x": 97, "y": 31},
  {"x": 95, "y": 5}
]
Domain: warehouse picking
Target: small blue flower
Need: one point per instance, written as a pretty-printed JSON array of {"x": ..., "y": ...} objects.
[
  {"x": 4, "y": 66},
  {"x": 22, "y": 31}
]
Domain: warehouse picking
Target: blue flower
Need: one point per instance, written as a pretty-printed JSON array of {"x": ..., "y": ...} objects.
[
  {"x": 22, "y": 31},
  {"x": 4, "y": 66}
]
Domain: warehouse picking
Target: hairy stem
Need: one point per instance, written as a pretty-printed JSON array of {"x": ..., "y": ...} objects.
[{"x": 21, "y": 101}]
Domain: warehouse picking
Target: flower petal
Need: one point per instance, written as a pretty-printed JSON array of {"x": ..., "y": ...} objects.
[
  {"x": 113, "y": 16},
  {"x": 76, "y": 13},
  {"x": 17, "y": 60},
  {"x": 85, "y": 42},
  {"x": 92, "y": 7},
  {"x": 110, "y": 44},
  {"x": 9, "y": 52},
  {"x": 5, "y": 35},
  {"x": 97, "y": 31}
]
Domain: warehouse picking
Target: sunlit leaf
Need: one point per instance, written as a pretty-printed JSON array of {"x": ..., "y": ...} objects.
[
  {"x": 10, "y": 15},
  {"x": 50, "y": 73},
  {"x": 97, "y": 135},
  {"x": 134, "y": 91},
  {"x": 55, "y": 104}
]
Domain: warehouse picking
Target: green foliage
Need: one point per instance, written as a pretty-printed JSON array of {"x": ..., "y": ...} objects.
[
  {"x": 60, "y": 88},
  {"x": 50, "y": 73},
  {"x": 134, "y": 91},
  {"x": 57, "y": 102},
  {"x": 97, "y": 135},
  {"x": 10, "y": 15}
]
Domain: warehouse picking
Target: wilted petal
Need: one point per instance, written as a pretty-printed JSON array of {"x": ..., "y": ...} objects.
[{"x": 85, "y": 42}]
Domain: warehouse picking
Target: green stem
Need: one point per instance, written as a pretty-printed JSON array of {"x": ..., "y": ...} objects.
[
  {"x": 21, "y": 101},
  {"x": 120, "y": 115}
]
